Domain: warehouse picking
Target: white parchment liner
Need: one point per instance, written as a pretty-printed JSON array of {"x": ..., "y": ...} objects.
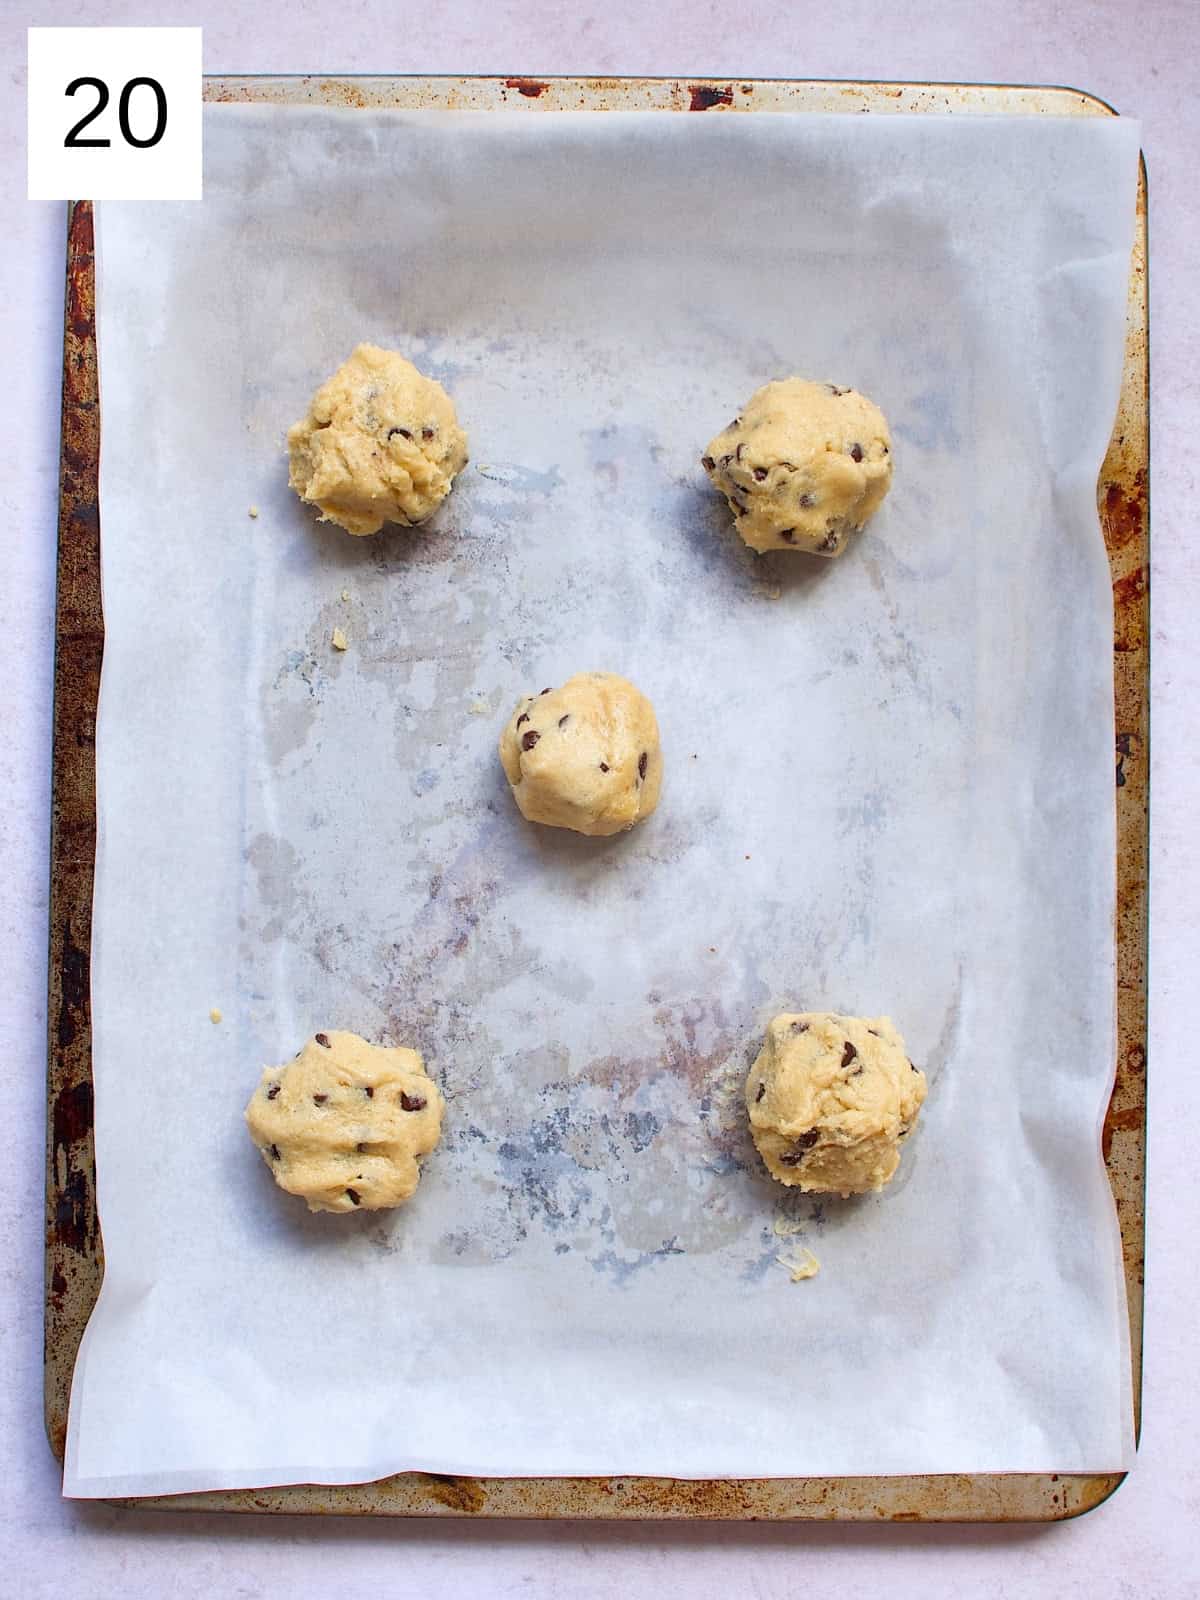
[{"x": 888, "y": 789}]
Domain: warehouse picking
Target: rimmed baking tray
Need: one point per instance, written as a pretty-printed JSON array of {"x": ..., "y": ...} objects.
[{"x": 74, "y": 1253}]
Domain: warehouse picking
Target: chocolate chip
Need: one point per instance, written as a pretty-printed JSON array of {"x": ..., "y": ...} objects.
[
  {"x": 412, "y": 1102},
  {"x": 833, "y": 389},
  {"x": 800, "y": 1026},
  {"x": 914, "y": 1066},
  {"x": 807, "y": 501},
  {"x": 739, "y": 510},
  {"x": 707, "y": 463},
  {"x": 547, "y": 691},
  {"x": 361, "y": 1148},
  {"x": 273, "y": 1091},
  {"x": 875, "y": 1033},
  {"x": 275, "y": 1152},
  {"x": 528, "y": 740},
  {"x": 562, "y": 721},
  {"x": 368, "y": 1091},
  {"x": 403, "y": 432},
  {"x": 320, "y": 1099},
  {"x": 725, "y": 460},
  {"x": 830, "y": 542},
  {"x": 604, "y": 766},
  {"x": 801, "y": 1143},
  {"x": 762, "y": 1089},
  {"x": 323, "y": 1039},
  {"x": 886, "y": 451},
  {"x": 848, "y": 1054},
  {"x": 642, "y": 760},
  {"x": 856, "y": 452},
  {"x": 760, "y": 473},
  {"x": 428, "y": 433},
  {"x": 524, "y": 717},
  {"x": 354, "y": 1197},
  {"x": 789, "y": 534}
]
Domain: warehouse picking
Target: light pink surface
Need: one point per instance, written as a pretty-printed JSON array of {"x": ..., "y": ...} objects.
[{"x": 1144, "y": 1542}]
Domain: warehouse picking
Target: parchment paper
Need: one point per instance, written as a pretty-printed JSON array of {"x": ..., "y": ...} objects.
[{"x": 889, "y": 789}]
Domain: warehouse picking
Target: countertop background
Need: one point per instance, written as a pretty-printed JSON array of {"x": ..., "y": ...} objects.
[{"x": 1145, "y": 1541}]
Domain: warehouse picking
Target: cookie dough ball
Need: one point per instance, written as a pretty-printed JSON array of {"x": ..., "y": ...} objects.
[
  {"x": 830, "y": 1098},
  {"x": 803, "y": 467},
  {"x": 381, "y": 443},
  {"x": 346, "y": 1122},
  {"x": 585, "y": 756}
]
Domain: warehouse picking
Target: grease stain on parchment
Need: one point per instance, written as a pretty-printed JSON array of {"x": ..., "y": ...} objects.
[{"x": 621, "y": 1158}]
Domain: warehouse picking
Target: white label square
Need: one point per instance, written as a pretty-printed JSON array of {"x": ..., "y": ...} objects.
[{"x": 115, "y": 114}]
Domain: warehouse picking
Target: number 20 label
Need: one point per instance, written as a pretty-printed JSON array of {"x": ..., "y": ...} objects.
[
  {"x": 115, "y": 114},
  {"x": 75, "y": 139}
]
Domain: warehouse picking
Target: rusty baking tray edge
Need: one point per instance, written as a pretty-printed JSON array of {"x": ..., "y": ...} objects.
[{"x": 74, "y": 1255}]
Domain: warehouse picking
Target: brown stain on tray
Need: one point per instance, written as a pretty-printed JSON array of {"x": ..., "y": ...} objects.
[
  {"x": 74, "y": 1258},
  {"x": 1124, "y": 509},
  {"x": 531, "y": 88},
  {"x": 460, "y": 1494},
  {"x": 1123, "y": 505},
  {"x": 1128, "y": 593},
  {"x": 708, "y": 96},
  {"x": 342, "y": 92},
  {"x": 1119, "y": 1122}
]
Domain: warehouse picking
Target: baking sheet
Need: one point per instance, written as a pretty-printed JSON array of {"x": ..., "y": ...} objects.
[{"x": 888, "y": 789}]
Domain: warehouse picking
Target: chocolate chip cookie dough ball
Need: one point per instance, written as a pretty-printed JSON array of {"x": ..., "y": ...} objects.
[
  {"x": 381, "y": 443},
  {"x": 585, "y": 756},
  {"x": 830, "y": 1099},
  {"x": 345, "y": 1123},
  {"x": 803, "y": 466}
]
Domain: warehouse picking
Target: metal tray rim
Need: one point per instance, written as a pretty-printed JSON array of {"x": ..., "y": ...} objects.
[{"x": 74, "y": 1252}]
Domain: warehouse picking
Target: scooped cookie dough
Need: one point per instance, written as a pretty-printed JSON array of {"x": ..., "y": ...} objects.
[
  {"x": 830, "y": 1100},
  {"x": 346, "y": 1122},
  {"x": 585, "y": 756},
  {"x": 381, "y": 443},
  {"x": 803, "y": 466}
]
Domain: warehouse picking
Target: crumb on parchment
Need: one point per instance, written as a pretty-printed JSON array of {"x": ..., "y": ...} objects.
[
  {"x": 479, "y": 708},
  {"x": 345, "y": 594},
  {"x": 214, "y": 1015},
  {"x": 253, "y": 511},
  {"x": 338, "y": 640},
  {"x": 807, "y": 1267}
]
